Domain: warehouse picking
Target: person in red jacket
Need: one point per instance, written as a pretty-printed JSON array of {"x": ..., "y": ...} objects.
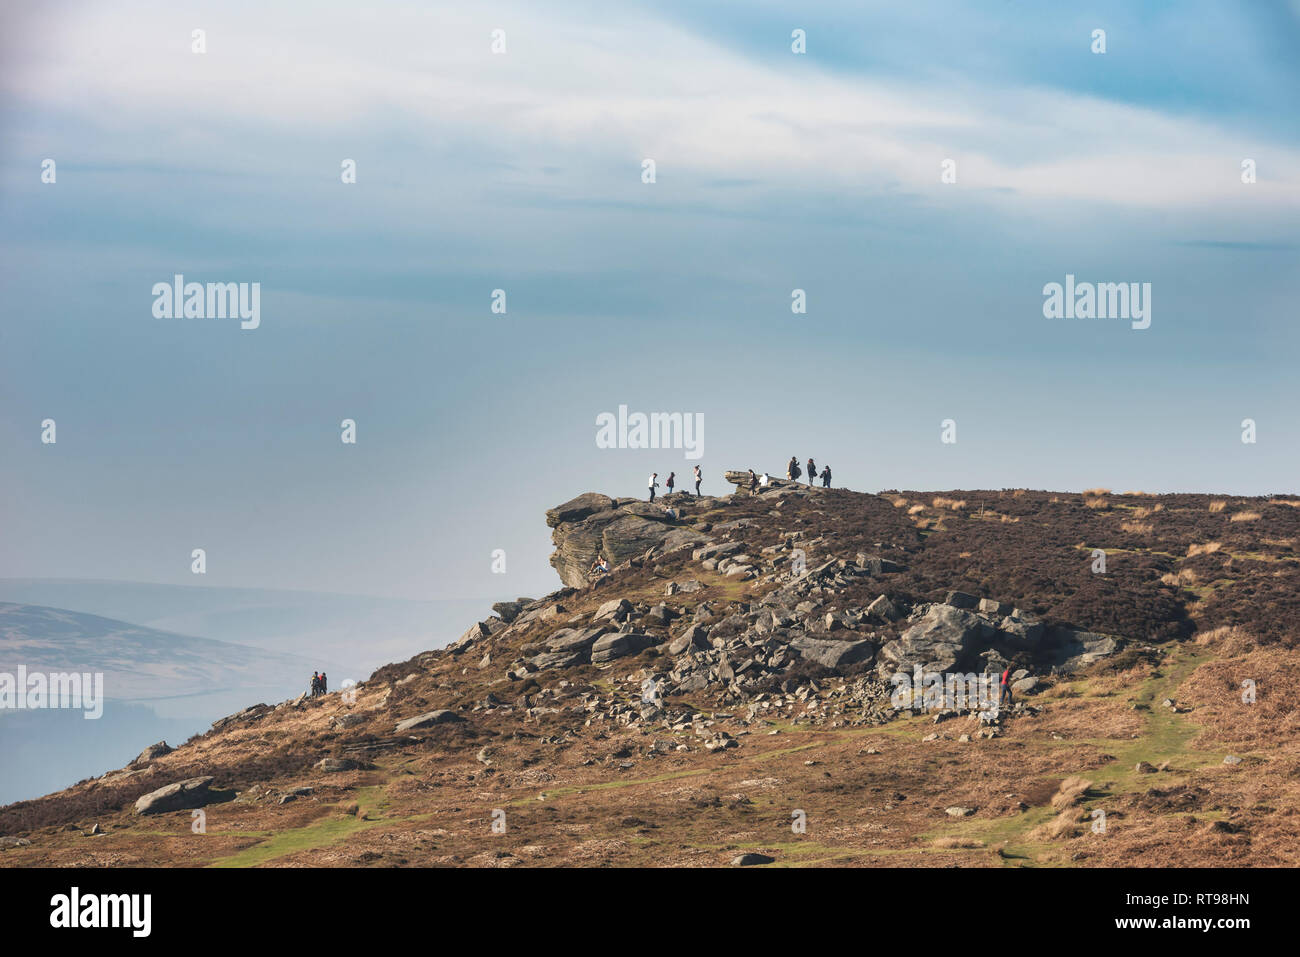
[{"x": 1006, "y": 688}]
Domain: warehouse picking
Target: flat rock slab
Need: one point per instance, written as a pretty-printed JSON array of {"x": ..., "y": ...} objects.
[{"x": 441, "y": 716}]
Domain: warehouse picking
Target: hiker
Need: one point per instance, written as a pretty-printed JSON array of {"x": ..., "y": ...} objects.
[
  {"x": 764, "y": 480},
  {"x": 699, "y": 477},
  {"x": 753, "y": 482},
  {"x": 324, "y": 684},
  {"x": 1005, "y": 694},
  {"x": 315, "y": 684},
  {"x": 812, "y": 472},
  {"x": 792, "y": 469},
  {"x": 600, "y": 566},
  {"x": 654, "y": 484},
  {"x": 672, "y": 480},
  {"x": 826, "y": 477}
]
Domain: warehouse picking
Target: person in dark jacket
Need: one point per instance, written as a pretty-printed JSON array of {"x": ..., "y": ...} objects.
[
  {"x": 672, "y": 480},
  {"x": 826, "y": 477},
  {"x": 699, "y": 477},
  {"x": 753, "y": 483},
  {"x": 812, "y": 472}
]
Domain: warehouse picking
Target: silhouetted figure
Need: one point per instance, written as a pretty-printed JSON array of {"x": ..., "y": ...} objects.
[
  {"x": 672, "y": 480},
  {"x": 753, "y": 482},
  {"x": 812, "y": 472},
  {"x": 792, "y": 469},
  {"x": 699, "y": 477},
  {"x": 324, "y": 684},
  {"x": 826, "y": 477}
]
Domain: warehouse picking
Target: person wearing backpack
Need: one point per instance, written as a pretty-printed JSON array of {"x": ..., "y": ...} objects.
[
  {"x": 672, "y": 479},
  {"x": 315, "y": 684},
  {"x": 826, "y": 477}
]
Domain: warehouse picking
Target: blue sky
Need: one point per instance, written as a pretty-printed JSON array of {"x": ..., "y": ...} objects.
[{"x": 522, "y": 171}]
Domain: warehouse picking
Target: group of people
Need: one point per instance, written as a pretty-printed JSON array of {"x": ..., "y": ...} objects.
[
  {"x": 600, "y": 566},
  {"x": 792, "y": 472},
  {"x": 319, "y": 685},
  {"x": 671, "y": 482}
]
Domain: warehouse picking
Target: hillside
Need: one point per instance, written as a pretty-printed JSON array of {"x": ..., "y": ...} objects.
[{"x": 732, "y": 677}]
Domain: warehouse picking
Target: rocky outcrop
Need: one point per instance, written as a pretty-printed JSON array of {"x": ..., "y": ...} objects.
[
  {"x": 181, "y": 796},
  {"x": 595, "y": 526}
]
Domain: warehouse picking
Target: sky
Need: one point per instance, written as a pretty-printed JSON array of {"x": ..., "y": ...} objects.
[{"x": 522, "y": 170}]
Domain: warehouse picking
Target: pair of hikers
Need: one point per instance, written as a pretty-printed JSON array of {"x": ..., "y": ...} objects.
[
  {"x": 671, "y": 482},
  {"x": 600, "y": 566},
  {"x": 319, "y": 684}
]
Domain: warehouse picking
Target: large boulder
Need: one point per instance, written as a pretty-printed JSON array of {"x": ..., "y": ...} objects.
[
  {"x": 576, "y": 509},
  {"x": 831, "y": 653},
  {"x": 619, "y": 645},
  {"x": 152, "y": 752},
  {"x": 944, "y": 639},
  {"x": 1068, "y": 649},
  {"x": 180, "y": 796}
]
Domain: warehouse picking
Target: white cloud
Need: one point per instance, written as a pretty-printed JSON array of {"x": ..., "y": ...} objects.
[{"x": 599, "y": 97}]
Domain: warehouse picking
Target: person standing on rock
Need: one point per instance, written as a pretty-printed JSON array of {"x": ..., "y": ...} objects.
[
  {"x": 1005, "y": 695},
  {"x": 672, "y": 480},
  {"x": 324, "y": 684},
  {"x": 753, "y": 483},
  {"x": 315, "y": 683},
  {"x": 812, "y": 472},
  {"x": 654, "y": 484},
  {"x": 699, "y": 477},
  {"x": 792, "y": 469},
  {"x": 826, "y": 477}
]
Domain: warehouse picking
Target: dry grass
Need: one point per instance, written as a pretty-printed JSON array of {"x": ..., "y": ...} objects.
[
  {"x": 1209, "y": 548},
  {"x": 1180, "y": 579},
  {"x": 956, "y": 843},
  {"x": 1218, "y": 505},
  {"x": 1018, "y": 493},
  {"x": 1095, "y": 503},
  {"x": 952, "y": 503},
  {"x": 1137, "y": 493},
  {"x": 1138, "y": 528},
  {"x": 915, "y": 508},
  {"x": 1245, "y": 517},
  {"x": 1070, "y": 793},
  {"x": 1143, "y": 512},
  {"x": 1095, "y": 491},
  {"x": 1293, "y": 502}
]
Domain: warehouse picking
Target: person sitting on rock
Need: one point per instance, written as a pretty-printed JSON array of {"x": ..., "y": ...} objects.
[
  {"x": 672, "y": 480},
  {"x": 699, "y": 477},
  {"x": 654, "y": 484},
  {"x": 826, "y": 477},
  {"x": 600, "y": 566},
  {"x": 812, "y": 471}
]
